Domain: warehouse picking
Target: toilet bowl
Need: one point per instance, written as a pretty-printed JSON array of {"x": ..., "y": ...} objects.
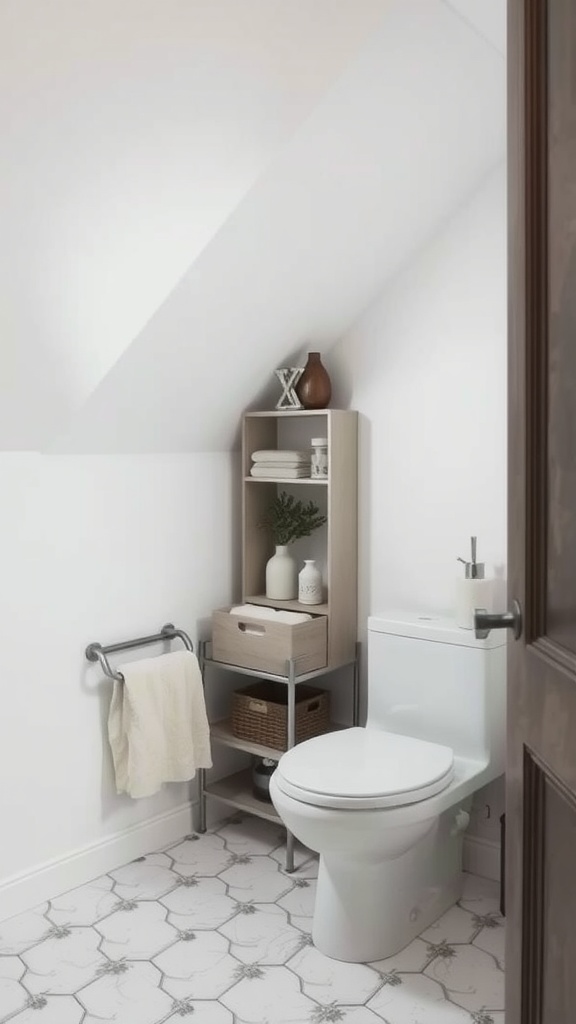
[
  {"x": 386, "y": 810},
  {"x": 363, "y": 799}
]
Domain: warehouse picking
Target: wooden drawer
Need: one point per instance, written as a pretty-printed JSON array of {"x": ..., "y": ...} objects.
[{"x": 266, "y": 646}]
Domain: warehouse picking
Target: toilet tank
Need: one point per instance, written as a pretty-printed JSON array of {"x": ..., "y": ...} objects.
[{"x": 429, "y": 679}]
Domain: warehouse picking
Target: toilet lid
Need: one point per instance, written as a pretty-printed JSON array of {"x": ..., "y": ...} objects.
[{"x": 364, "y": 768}]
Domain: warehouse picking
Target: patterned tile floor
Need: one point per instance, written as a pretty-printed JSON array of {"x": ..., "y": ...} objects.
[{"x": 213, "y": 929}]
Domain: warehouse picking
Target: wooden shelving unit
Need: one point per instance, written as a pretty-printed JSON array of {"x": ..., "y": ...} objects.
[
  {"x": 335, "y": 549},
  {"x": 337, "y": 545}
]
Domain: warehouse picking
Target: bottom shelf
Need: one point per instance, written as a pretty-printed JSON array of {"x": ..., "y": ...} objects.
[{"x": 236, "y": 790}]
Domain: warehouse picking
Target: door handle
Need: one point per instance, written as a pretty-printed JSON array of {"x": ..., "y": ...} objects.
[{"x": 484, "y": 621}]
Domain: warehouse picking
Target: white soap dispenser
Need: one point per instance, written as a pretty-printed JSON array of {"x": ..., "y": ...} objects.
[{"x": 472, "y": 591}]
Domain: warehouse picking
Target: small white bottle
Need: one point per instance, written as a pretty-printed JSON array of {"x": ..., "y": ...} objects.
[
  {"x": 319, "y": 459},
  {"x": 473, "y": 591},
  {"x": 310, "y": 583}
]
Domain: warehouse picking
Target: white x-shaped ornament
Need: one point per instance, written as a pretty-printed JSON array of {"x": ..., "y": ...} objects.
[{"x": 289, "y": 377}]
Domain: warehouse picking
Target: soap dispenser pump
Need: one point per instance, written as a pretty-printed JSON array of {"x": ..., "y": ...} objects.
[{"x": 473, "y": 590}]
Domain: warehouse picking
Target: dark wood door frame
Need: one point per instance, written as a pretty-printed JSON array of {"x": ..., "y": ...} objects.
[{"x": 541, "y": 768}]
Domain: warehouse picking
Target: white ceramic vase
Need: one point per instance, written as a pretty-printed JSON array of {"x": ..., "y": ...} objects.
[
  {"x": 310, "y": 583},
  {"x": 281, "y": 575}
]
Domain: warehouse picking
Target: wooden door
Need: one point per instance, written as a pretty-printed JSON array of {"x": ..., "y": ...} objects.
[{"x": 541, "y": 773}]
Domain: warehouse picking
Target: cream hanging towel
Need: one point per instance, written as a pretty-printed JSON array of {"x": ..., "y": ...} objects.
[{"x": 157, "y": 726}]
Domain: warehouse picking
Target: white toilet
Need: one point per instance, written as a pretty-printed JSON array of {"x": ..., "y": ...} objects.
[{"x": 386, "y": 806}]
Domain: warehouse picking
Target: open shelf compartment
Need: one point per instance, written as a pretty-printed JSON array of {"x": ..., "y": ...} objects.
[{"x": 236, "y": 791}]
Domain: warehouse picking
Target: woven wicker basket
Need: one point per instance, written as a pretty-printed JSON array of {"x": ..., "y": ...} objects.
[{"x": 260, "y": 713}]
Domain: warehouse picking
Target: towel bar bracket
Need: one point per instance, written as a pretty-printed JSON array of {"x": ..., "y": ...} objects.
[{"x": 96, "y": 652}]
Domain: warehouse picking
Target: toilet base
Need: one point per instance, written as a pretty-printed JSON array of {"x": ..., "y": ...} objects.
[{"x": 368, "y": 911}]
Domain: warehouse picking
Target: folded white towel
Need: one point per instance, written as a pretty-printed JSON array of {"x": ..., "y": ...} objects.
[
  {"x": 258, "y": 611},
  {"x": 280, "y": 455},
  {"x": 157, "y": 725},
  {"x": 304, "y": 466},
  {"x": 283, "y": 470}
]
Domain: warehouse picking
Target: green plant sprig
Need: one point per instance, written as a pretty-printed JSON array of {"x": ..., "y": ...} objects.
[{"x": 288, "y": 519}]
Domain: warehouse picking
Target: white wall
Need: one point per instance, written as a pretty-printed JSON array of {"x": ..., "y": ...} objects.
[
  {"x": 488, "y": 17},
  {"x": 92, "y": 549},
  {"x": 426, "y": 367}
]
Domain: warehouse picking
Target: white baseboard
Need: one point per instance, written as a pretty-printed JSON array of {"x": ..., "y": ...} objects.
[
  {"x": 27, "y": 890},
  {"x": 482, "y": 857}
]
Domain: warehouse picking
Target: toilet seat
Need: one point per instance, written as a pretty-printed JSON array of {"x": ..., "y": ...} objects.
[{"x": 364, "y": 768}]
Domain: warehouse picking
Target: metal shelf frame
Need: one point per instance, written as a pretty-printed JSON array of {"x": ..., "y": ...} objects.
[{"x": 235, "y": 790}]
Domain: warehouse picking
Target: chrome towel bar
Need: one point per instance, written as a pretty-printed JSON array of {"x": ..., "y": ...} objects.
[{"x": 96, "y": 652}]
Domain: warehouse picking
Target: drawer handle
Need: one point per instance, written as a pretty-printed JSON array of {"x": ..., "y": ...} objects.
[
  {"x": 313, "y": 706},
  {"x": 250, "y": 627},
  {"x": 259, "y": 706}
]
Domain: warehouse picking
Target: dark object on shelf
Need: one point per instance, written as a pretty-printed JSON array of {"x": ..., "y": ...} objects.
[
  {"x": 260, "y": 713},
  {"x": 503, "y": 865},
  {"x": 263, "y": 769},
  {"x": 314, "y": 389}
]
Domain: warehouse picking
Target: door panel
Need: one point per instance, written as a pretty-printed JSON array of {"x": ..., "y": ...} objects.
[
  {"x": 561, "y": 258},
  {"x": 559, "y": 933},
  {"x": 541, "y": 769}
]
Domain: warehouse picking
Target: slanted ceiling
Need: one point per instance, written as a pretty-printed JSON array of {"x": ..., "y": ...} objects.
[{"x": 195, "y": 190}]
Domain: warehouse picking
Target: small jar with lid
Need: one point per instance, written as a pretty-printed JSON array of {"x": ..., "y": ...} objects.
[{"x": 319, "y": 459}]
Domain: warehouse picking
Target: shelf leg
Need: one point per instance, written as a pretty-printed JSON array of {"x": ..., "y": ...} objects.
[
  {"x": 201, "y": 800},
  {"x": 289, "y": 852},
  {"x": 356, "y": 688},
  {"x": 291, "y": 703},
  {"x": 291, "y": 738},
  {"x": 201, "y": 771}
]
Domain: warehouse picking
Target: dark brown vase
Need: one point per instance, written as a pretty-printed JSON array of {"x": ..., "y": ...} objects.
[{"x": 314, "y": 389}]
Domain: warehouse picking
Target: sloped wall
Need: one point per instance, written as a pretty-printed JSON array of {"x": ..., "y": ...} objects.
[
  {"x": 488, "y": 17},
  {"x": 130, "y": 129},
  {"x": 394, "y": 146}
]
